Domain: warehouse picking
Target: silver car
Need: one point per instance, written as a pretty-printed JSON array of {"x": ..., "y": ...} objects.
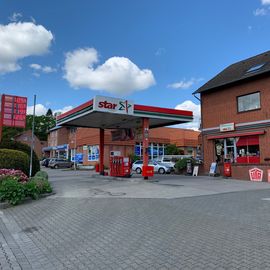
[
  {"x": 56, "y": 163},
  {"x": 158, "y": 167}
]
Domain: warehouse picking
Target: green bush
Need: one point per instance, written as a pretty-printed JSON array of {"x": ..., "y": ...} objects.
[
  {"x": 42, "y": 184},
  {"x": 13, "y": 159},
  {"x": 24, "y": 148},
  {"x": 12, "y": 191},
  {"x": 133, "y": 157},
  {"x": 42, "y": 174},
  {"x": 181, "y": 164},
  {"x": 31, "y": 190}
]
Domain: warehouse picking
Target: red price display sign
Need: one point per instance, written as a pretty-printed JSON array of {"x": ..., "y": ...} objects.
[{"x": 13, "y": 111}]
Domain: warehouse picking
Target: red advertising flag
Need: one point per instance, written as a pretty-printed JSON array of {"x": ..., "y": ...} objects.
[{"x": 13, "y": 111}]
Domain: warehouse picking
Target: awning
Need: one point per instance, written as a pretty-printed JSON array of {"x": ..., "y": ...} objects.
[
  {"x": 248, "y": 140},
  {"x": 233, "y": 135}
]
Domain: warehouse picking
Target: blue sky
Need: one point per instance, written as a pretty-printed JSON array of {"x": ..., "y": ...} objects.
[{"x": 153, "y": 52}]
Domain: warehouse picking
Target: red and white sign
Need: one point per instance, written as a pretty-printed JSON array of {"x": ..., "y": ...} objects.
[
  {"x": 113, "y": 105},
  {"x": 227, "y": 127},
  {"x": 256, "y": 174},
  {"x": 13, "y": 111}
]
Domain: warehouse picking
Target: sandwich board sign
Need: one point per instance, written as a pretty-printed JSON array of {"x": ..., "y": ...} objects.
[{"x": 213, "y": 169}]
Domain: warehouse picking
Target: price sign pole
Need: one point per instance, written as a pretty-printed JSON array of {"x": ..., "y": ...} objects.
[{"x": 33, "y": 138}]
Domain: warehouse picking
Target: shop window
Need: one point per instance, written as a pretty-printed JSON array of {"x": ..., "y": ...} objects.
[
  {"x": 248, "y": 150},
  {"x": 93, "y": 153},
  {"x": 249, "y": 102}
]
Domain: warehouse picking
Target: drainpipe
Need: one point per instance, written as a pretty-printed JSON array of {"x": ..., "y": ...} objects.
[{"x": 202, "y": 150}]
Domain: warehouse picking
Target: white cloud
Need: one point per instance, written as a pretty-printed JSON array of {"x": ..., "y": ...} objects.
[
  {"x": 260, "y": 12},
  {"x": 118, "y": 75},
  {"x": 44, "y": 69},
  {"x": 160, "y": 51},
  {"x": 42, "y": 110},
  {"x": 15, "y": 17},
  {"x": 196, "y": 109},
  {"x": 35, "y": 66},
  {"x": 20, "y": 40},
  {"x": 265, "y": 2},
  {"x": 184, "y": 84},
  {"x": 63, "y": 110}
]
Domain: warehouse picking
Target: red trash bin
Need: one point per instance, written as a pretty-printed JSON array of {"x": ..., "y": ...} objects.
[
  {"x": 227, "y": 169},
  {"x": 97, "y": 167}
]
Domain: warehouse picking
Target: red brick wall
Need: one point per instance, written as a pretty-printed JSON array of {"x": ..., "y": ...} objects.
[
  {"x": 220, "y": 107},
  {"x": 242, "y": 171}
]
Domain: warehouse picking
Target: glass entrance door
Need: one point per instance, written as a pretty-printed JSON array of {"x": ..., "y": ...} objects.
[{"x": 230, "y": 149}]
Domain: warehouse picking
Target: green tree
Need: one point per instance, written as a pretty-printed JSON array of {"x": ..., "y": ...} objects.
[
  {"x": 49, "y": 112},
  {"x": 171, "y": 149},
  {"x": 42, "y": 125}
]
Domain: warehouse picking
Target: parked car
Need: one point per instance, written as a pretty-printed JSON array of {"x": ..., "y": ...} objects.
[
  {"x": 45, "y": 162},
  {"x": 56, "y": 163},
  {"x": 159, "y": 167},
  {"x": 167, "y": 161}
]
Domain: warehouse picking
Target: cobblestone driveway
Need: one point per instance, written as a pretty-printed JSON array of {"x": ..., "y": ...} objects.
[{"x": 222, "y": 231}]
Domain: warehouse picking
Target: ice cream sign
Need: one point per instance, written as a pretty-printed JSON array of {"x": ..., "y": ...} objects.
[
  {"x": 256, "y": 174},
  {"x": 113, "y": 105}
]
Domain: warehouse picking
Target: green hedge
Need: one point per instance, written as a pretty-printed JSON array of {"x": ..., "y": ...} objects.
[
  {"x": 14, "y": 192},
  {"x": 13, "y": 159},
  {"x": 42, "y": 174},
  {"x": 24, "y": 148}
]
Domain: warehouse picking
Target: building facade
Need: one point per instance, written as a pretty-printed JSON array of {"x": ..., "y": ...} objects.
[
  {"x": 83, "y": 143},
  {"x": 236, "y": 117},
  {"x": 26, "y": 137}
]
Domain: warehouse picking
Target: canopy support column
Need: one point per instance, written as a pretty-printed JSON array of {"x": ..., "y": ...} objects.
[
  {"x": 101, "y": 151},
  {"x": 145, "y": 142}
]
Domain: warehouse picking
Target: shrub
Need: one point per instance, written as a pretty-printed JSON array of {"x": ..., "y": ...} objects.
[
  {"x": 133, "y": 157},
  {"x": 31, "y": 190},
  {"x": 24, "y": 148},
  {"x": 11, "y": 173},
  {"x": 12, "y": 191},
  {"x": 43, "y": 185},
  {"x": 42, "y": 174},
  {"x": 181, "y": 164},
  {"x": 13, "y": 159}
]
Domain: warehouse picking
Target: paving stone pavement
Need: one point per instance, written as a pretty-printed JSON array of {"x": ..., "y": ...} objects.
[{"x": 220, "y": 231}]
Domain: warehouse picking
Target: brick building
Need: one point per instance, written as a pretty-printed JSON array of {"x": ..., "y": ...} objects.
[
  {"x": 26, "y": 137},
  {"x": 235, "y": 119},
  {"x": 84, "y": 143}
]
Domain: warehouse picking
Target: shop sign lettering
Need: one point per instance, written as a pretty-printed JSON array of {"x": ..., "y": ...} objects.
[
  {"x": 227, "y": 127},
  {"x": 256, "y": 174},
  {"x": 113, "y": 105}
]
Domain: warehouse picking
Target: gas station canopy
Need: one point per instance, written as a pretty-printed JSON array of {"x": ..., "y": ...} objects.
[{"x": 111, "y": 113}]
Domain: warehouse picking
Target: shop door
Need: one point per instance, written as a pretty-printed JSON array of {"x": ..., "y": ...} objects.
[{"x": 230, "y": 149}]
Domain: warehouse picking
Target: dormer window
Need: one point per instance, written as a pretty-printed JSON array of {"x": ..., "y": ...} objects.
[{"x": 255, "y": 68}]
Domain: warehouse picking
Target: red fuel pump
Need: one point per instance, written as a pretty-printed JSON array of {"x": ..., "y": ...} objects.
[{"x": 120, "y": 166}]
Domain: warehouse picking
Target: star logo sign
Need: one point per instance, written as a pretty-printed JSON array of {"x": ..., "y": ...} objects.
[{"x": 124, "y": 105}]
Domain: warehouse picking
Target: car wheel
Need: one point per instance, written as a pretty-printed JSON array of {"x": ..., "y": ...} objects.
[
  {"x": 139, "y": 170},
  {"x": 56, "y": 166},
  {"x": 161, "y": 171}
]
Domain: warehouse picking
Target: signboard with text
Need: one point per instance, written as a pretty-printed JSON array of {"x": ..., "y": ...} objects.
[
  {"x": 13, "y": 111},
  {"x": 113, "y": 105},
  {"x": 227, "y": 127}
]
